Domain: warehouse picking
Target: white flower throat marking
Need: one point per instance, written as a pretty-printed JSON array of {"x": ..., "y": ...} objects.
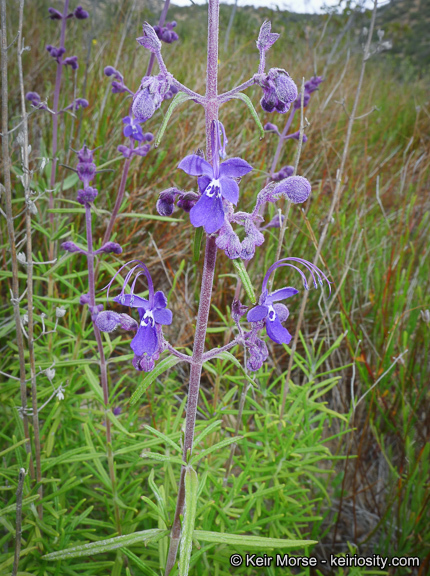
[
  {"x": 148, "y": 319},
  {"x": 213, "y": 189},
  {"x": 272, "y": 314}
]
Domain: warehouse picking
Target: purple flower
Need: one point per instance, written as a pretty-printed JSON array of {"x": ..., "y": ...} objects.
[
  {"x": 270, "y": 311},
  {"x": 153, "y": 313},
  {"x": 279, "y": 91},
  {"x": 55, "y": 14},
  {"x": 166, "y": 33},
  {"x": 132, "y": 129},
  {"x": 215, "y": 184},
  {"x": 108, "y": 321},
  {"x": 34, "y": 99},
  {"x": 149, "y": 40},
  {"x": 76, "y": 104},
  {"x": 111, "y": 71},
  {"x": 71, "y": 61},
  {"x": 229, "y": 241},
  {"x": 80, "y": 13},
  {"x": 86, "y": 168},
  {"x": 166, "y": 201},
  {"x": 187, "y": 201},
  {"x": 298, "y": 102},
  {"x": 55, "y": 52},
  {"x": 72, "y": 247},
  {"x": 313, "y": 84},
  {"x": 266, "y": 38},
  {"x": 108, "y": 248},
  {"x": 87, "y": 195},
  {"x": 273, "y": 314},
  {"x": 296, "y": 136},
  {"x": 296, "y": 188},
  {"x": 149, "y": 97}
]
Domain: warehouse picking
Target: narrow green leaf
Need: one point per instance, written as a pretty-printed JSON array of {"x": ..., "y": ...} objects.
[
  {"x": 206, "y": 431},
  {"x": 249, "y": 541},
  {"x": 161, "y": 457},
  {"x": 164, "y": 437},
  {"x": 247, "y": 100},
  {"x": 213, "y": 448},
  {"x": 94, "y": 383},
  {"x": 107, "y": 545},
  {"x": 139, "y": 563},
  {"x": 180, "y": 98},
  {"x": 164, "y": 365},
  {"x": 118, "y": 424},
  {"x": 198, "y": 235},
  {"x": 191, "y": 488},
  {"x": 245, "y": 279}
]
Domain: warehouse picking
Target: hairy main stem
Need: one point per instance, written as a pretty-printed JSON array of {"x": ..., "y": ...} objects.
[
  {"x": 103, "y": 366},
  {"x": 30, "y": 329},
  {"x": 11, "y": 231},
  {"x": 55, "y": 110},
  {"x": 211, "y": 110},
  {"x": 335, "y": 200}
]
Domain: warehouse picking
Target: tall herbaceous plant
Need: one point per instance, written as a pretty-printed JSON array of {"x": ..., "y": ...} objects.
[{"x": 214, "y": 212}]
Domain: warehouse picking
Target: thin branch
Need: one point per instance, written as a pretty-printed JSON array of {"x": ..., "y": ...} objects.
[{"x": 18, "y": 528}]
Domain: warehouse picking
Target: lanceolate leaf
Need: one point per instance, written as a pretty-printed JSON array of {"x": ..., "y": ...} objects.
[
  {"x": 180, "y": 98},
  {"x": 107, "y": 545},
  {"x": 198, "y": 235},
  {"x": 164, "y": 365},
  {"x": 249, "y": 541},
  {"x": 245, "y": 279},
  {"x": 244, "y": 98},
  {"x": 191, "y": 488}
]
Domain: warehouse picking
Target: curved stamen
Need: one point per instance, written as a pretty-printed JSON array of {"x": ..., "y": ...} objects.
[
  {"x": 273, "y": 268},
  {"x": 314, "y": 270}
]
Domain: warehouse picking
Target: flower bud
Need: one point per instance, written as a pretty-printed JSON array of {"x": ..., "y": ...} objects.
[
  {"x": 107, "y": 321},
  {"x": 84, "y": 299},
  {"x": 166, "y": 201},
  {"x": 187, "y": 201},
  {"x": 72, "y": 247},
  {"x": 71, "y": 61},
  {"x": 109, "y": 247},
  {"x": 87, "y": 195},
  {"x": 80, "y": 13},
  {"x": 296, "y": 188},
  {"x": 54, "y": 14}
]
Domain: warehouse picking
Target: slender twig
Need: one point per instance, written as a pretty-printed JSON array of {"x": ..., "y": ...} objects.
[
  {"x": 11, "y": 231},
  {"x": 18, "y": 526},
  {"x": 335, "y": 200},
  {"x": 103, "y": 365},
  {"x": 30, "y": 314}
]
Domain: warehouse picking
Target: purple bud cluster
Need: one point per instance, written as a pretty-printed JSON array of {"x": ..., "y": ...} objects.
[
  {"x": 79, "y": 13},
  {"x": 149, "y": 97},
  {"x": 310, "y": 86},
  {"x": 166, "y": 33},
  {"x": 117, "y": 84},
  {"x": 35, "y": 100},
  {"x": 167, "y": 199},
  {"x": 279, "y": 91},
  {"x": 284, "y": 172}
]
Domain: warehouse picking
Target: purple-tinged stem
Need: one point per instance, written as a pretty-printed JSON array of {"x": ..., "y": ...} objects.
[
  {"x": 30, "y": 313},
  {"x": 211, "y": 110},
  {"x": 103, "y": 366},
  {"x": 281, "y": 141},
  {"x": 55, "y": 110},
  {"x": 11, "y": 231},
  {"x": 118, "y": 201},
  {"x": 163, "y": 16}
]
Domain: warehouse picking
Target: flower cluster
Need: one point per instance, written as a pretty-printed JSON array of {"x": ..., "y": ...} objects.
[
  {"x": 86, "y": 171},
  {"x": 148, "y": 343},
  {"x": 310, "y": 86},
  {"x": 166, "y": 33},
  {"x": 79, "y": 13},
  {"x": 271, "y": 314},
  {"x": 279, "y": 91}
]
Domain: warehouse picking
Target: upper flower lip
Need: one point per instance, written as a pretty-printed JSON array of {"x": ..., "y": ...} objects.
[{"x": 215, "y": 182}]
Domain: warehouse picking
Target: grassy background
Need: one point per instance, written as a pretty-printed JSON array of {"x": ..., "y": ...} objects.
[{"x": 341, "y": 476}]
